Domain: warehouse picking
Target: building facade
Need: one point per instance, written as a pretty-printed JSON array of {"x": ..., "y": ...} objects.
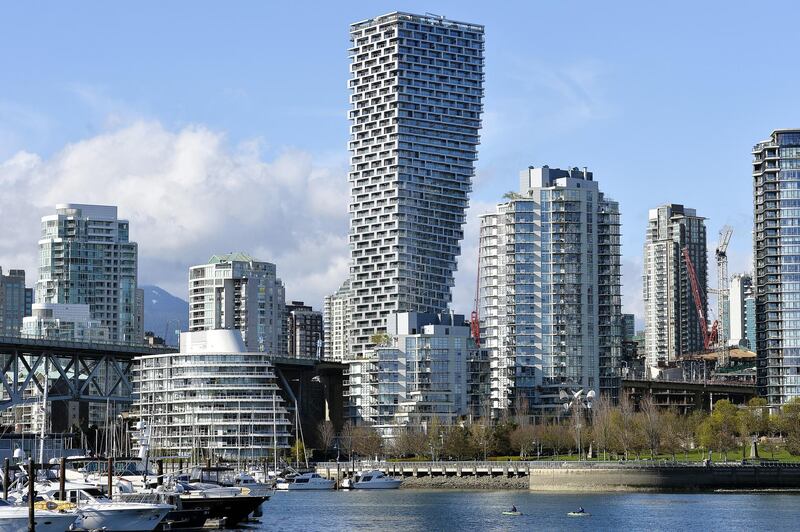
[
  {"x": 304, "y": 331},
  {"x": 628, "y": 326},
  {"x": 336, "y": 324},
  {"x": 214, "y": 400},
  {"x": 58, "y": 321},
  {"x": 416, "y": 85},
  {"x": 672, "y": 324},
  {"x": 550, "y": 303},
  {"x": 740, "y": 286},
  {"x": 236, "y": 291},
  {"x": 86, "y": 258},
  {"x": 418, "y": 371},
  {"x": 13, "y": 302},
  {"x": 776, "y": 255}
]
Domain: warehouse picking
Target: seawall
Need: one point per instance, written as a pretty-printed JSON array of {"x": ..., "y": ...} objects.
[{"x": 597, "y": 477}]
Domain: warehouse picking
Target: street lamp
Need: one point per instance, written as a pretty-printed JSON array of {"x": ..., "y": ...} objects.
[{"x": 577, "y": 403}]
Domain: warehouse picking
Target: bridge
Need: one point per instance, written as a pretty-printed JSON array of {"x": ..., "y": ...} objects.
[
  {"x": 686, "y": 396},
  {"x": 79, "y": 371},
  {"x": 97, "y": 372}
]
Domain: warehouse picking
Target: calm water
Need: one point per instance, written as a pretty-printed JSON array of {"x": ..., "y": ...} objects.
[{"x": 432, "y": 510}]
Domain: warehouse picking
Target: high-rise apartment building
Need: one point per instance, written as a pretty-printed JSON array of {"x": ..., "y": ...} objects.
[
  {"x": 336, "y": 324},
  {"x": 628, "y": 326},
  {"x": 304, "y": 331},
  {"x": 13, "y": 302},
  {"x": 776, "y": 256},
  {"x": 672, "y": 324},
  {"x": 416, "y": 101},
  {"x": 86, "y": 258},
  {"x": 236, "y": 291},
  {"x": 740, "y": 286},
  {"x": 550, "y": 306}
]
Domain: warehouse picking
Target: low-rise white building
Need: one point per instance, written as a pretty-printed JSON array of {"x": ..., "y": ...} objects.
[
  {"x": 59, "y": 321},
  {"x": 213, "y": 399},
  {"x": 417, "y": 371}
]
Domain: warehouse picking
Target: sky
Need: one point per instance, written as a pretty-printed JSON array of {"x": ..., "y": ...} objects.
[{"x": 221, "y": 126}]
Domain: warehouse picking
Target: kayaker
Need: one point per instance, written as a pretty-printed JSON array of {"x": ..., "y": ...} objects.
[
  {"x": 513, "y": 508},
  {"x": 580, "y": 510}
]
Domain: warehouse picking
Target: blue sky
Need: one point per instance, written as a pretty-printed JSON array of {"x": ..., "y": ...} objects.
[{"x": 663, "y": 101}]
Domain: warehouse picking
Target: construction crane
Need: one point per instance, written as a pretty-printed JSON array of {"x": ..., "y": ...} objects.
[
  {"x": 723, "y": 358},
  {"x": 709, "y": 336},
  {"x": 475, "y": 319}
]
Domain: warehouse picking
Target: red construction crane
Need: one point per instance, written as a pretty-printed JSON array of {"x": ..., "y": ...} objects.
[
  {"x": 475, "y": 319},
  {"x": 709, "y": 337}
]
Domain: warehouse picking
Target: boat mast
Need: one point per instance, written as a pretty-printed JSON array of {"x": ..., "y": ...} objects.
[
  {"x": 275, "y": 429},
  {"x": 44, "y": 413}
]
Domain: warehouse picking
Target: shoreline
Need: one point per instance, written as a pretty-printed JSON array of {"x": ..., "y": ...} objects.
[{"x": 468, "y": 482}]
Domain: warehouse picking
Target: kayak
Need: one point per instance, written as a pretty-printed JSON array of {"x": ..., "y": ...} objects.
[
  {"x": 512, "y": 513},
  {"x": 579, "y": 514}
]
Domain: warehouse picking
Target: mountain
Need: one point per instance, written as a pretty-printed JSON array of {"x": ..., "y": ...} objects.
[{"x": 163, "y": 313}]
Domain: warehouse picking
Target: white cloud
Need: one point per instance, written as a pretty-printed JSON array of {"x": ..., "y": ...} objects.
[{"x": 189, "y": 194}]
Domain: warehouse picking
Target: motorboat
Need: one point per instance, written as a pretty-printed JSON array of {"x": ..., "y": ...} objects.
[
  {"x": 227, "y": 477},
  {"x": 227, "y": 504},
  {"x": 177, "y": 519},
  {"x": 15, "y": 518},
  {"x": 372, "y": 480},
  {"x": 95, "y": 511},
  {"x": 305, "y": 481},
  {"x": 93, "y": 470}
]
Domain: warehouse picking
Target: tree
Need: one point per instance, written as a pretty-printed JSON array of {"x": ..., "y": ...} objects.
[
  {"x": 457, "y": 443},
  {"x": 686, "y": 429},
  {"x": 327, "y": 434},
  {"x": 346, "y": 437},
  {"x": 367, "y": 442},
  {"x": 602, "y": 429},
  {"x": 482, "y": 437},
  {"x": 789, "y": 424},
  {"x": 433, "y": 438},
  {"x": 522, "y": 440},
  {"x": 753, "y": 421},
  {"x": 298, "y": 452},
  {"x": 670, "y": 433},
  {"x": 719, "y": 430},
  {"x": 622, "y": 422},
  {"x": 651, "y": 424},
  {"x": 410, "y": 442}
]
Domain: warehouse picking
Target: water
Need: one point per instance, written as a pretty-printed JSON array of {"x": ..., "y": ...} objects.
[{"x": 434, "y": 510}]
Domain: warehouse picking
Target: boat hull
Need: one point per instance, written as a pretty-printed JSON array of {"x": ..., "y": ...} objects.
[
  {"x": 135, "y": 518},
  {"x": 233, "y": 509},
  {"x": 291, "y": 486},
  {"x": 45, "y": 521},
  {"x": 383, "y": 485}
]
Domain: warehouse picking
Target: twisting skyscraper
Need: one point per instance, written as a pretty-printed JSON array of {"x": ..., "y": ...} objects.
[{"x": 416, "y": 101}]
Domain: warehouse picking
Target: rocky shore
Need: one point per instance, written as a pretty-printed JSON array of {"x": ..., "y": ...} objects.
[{"x": 468, "y": 482}]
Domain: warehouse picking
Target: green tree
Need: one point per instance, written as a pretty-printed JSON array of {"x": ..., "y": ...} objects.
[
  {"x": 623, "y": 426},
  {"x": 458, "y": 444},
  {"x": 789, "y": 424},
  {"x": 298, "y": 452},
  {"x": 719, "y": 430}
]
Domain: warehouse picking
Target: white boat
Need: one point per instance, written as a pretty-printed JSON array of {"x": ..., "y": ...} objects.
[
  {"x": 305, "y": 481},
  {"x": 95, "y": 511},
  {"x": 15, "y": 519},
  {"x": 374, "y": 480}
]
